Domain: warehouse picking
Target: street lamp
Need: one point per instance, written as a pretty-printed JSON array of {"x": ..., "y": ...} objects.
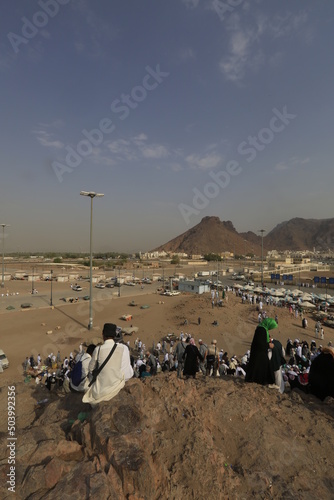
[
  {"x": 262, "y": 231},
  {"x": 51, "y": 289},
  {"x": 119, "y": 281},
  {"x": 3, "y": 254},
  {"x": 91, "y": 195}
]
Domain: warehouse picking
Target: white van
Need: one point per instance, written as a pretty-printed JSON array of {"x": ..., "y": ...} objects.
[{"x": 3, "y": 359}]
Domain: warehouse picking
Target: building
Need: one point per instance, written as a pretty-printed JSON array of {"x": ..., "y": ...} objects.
[{"x": 193, "y": 286}]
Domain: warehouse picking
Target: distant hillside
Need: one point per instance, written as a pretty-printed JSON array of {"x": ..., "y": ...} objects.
[
  {"x": 212, "y": 235},
  {"x": 302, "y": 234}
]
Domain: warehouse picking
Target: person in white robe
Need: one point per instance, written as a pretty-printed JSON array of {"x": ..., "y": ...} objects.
[{"x": 114, "y": 374}]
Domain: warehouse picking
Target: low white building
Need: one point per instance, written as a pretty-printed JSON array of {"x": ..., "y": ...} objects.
[
  {"x": 34, "y": 277},
  {"x": 62, "y": 278},
  {"x": 73, "y": 276},
  {"x": 193, "y": 286}
]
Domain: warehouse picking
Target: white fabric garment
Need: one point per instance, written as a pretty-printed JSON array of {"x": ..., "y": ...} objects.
[
  {"x": 113, "y": 375},
  {"x": 279, "y": 381}
]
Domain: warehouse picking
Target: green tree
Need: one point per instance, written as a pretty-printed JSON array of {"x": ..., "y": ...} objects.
[
  {"x": 212, "y": 257},
  {"x": 175, "y": 260}
]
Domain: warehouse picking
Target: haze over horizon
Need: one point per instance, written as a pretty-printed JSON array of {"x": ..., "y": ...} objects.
[{"x": 174, "y": 110}]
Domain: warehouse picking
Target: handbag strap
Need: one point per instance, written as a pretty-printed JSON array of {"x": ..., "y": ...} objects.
[{"x": 103, "y": 364}]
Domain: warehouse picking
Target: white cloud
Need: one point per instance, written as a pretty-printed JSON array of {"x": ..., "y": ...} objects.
[
  {"x": 122, "y": 149},
  {"x": 206, "y": 162},
  {"x": 281, "y": 26},
  {"x": 248, "y": 42},
  {"x": 46, "y": 139},
  {"x": 137, "y": 147},
  {"x": 155, "y": 151},
  {"x": 140, "y": 139},
  {"x": 292, "y": 162},
  {"x": 241, "y": 57}
]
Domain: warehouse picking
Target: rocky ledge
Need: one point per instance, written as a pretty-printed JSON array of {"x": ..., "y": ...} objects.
[{"x": 166, "y": 438}]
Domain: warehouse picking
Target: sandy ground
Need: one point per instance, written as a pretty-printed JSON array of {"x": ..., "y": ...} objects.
[
  {"x": 24, "y": 332},
  {"x": 253, "y": 442}
]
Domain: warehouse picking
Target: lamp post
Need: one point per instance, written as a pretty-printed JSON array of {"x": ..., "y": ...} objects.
[
  {"x": 91, "y": 195},
  {"x": 119, "y": 281},
  {"x": 262, "y": 231},
  {"x": 3, "y": 254},
  {"x": 32, "y": 281},
  {"x": 51, "y": 289}
]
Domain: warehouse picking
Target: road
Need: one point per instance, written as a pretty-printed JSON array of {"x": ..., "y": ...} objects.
[{"x": 19, "y": 292}]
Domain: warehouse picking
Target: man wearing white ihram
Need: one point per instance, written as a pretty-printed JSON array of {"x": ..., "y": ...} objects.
[{"x": 109, "y": 368}]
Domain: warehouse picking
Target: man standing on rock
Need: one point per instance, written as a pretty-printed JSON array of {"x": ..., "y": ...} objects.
[
  {"x": 203, "y": 349},
  {"x": 212, "y": 359},
  {"x": 151, "y": 362},
  {"x": 109, "y": 368},
  {"x": 179, "y": 350}
]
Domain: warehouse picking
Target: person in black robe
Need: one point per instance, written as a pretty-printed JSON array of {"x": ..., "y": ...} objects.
[
  {"x": 321, "y": 375},
  {"x": 191, "y": 355},
  {"x": 259, "y": 369}
]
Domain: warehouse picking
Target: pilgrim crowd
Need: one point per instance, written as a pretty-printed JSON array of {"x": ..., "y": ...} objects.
[{"x": 99, "y": 372}]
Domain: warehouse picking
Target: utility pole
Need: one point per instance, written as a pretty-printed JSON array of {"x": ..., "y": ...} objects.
[{"x": 262, "y": 231}]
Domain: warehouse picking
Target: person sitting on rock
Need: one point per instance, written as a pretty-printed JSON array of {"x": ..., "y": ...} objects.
[
  {"x": 146, "y": 372},
  {"x": 109, "y": 368},
  {"x": 84, "y": 358}
]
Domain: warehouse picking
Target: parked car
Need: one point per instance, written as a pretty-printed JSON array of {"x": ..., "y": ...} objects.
[
  {"x": 3, "y": 359},
  {"x": 110, "y": 285},
  {"x": 100, "y": 285},
  {"x": 77, "y": 288}
]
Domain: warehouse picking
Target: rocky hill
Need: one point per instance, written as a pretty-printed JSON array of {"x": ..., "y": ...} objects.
[
  {"x": 167, "y": 438},
  {"x": 302, "y": 234},
  {"x": 212, "y": 235}
]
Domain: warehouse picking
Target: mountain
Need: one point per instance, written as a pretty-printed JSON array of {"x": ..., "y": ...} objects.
[
  {"x": 302, "y": 234},
  {"x": 212, "y": 235}
]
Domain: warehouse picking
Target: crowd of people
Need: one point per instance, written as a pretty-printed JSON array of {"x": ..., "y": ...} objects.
[{"x": 99, "y": 372}]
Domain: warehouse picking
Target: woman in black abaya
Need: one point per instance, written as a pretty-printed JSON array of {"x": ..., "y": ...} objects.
[
  {"x": 191, "y": 355},
  {"x": 321, "y": 375},
  {"x": 258, "y": 369}
]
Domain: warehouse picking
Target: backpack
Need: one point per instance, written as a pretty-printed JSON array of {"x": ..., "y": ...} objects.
[
  {"x": 76, "y": 373},
  {"x": 210, "y": 358}
]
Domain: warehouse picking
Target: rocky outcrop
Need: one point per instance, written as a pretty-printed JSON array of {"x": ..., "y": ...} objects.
[{"x": 167, "y": 438}]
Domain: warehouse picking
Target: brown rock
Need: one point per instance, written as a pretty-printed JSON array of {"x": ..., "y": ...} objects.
[{"x": 68, "y": 451}]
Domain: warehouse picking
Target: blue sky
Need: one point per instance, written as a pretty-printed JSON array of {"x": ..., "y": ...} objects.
[{"x": 174, "y": 110}]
